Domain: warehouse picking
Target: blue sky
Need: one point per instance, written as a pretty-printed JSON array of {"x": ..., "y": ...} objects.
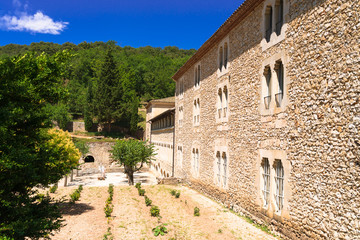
[{"x": 158, "y": 23}]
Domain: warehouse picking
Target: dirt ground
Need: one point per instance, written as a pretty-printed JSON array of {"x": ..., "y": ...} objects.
[{"x": 131, "y": 218}]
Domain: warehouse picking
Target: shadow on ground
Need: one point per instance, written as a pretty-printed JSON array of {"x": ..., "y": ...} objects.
[{"x": 75, "y": 208}]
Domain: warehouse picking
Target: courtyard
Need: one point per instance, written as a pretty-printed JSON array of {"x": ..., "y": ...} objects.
[{"x": 131, "y": 219}]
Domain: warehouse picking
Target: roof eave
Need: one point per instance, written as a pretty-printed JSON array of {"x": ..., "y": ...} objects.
[{"x": 239, "y": 14}]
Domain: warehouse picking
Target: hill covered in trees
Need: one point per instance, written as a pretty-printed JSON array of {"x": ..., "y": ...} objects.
[{"x": 121, "y": 75}]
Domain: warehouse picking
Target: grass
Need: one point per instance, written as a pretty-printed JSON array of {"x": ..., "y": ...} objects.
[{"x": 262, "y": 227}]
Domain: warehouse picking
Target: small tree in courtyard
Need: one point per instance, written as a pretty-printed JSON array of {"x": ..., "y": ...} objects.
[{"x": 132, "y": 154}]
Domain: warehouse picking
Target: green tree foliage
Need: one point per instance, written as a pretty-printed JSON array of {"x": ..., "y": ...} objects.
[
  {"x": 144, "y": 72},
  {"x": 132, "y": 154},
  {"x": 30, "y": 155},
  {"x": 107, "y": 97},
  {"x": 60, "y": 114}
]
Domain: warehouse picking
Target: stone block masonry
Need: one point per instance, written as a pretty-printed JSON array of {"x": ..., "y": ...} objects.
[{"x": 310, "y": 124}]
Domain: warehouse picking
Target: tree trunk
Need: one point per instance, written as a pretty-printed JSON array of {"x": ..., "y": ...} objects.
[
  {"x": 65, "y": 181},
  {"x": 72, "y": 175},
  {"x": 130, "y": 175}
]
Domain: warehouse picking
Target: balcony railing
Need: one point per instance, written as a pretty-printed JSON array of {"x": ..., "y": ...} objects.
[
  {"x": 278, "y": 27},
  {"x": 278, "y": 99},
  {"x": 268, "y": 34},
  {"x": 267, "y": 100}
]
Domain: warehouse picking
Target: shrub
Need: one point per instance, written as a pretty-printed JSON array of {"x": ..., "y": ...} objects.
[
  {"x": 80, "y": 188},
  {"x": 155, "y": 211},
  {"x": 111, "y": 192},
  {"x": 75, "y": 196},
  {"x": 138, "y": 185},
  {"x": 173, "y": 192},
  {"x": 141, "y": 192},
  {"x": 147, "y": 201},
  {"x": 196, "y": 211},
  {"x": 160, "y": 230},
  {"x": 53, "y": 188},
  {"x": 177, "y": 195},
  {"x": 108, "y": 209}
]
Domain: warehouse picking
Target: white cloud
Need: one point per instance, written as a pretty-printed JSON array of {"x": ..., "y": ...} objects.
[
  {"x": 16, "y": 3},
  {"x": 37, "y": 23}
]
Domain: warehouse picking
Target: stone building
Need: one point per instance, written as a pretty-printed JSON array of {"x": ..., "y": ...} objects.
[
  {"x": 160, "y": 132},
  {"x": 268, "y": 116}
]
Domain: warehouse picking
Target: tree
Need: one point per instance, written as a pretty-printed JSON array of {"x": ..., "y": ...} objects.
[
  {"x": 132, "y": 154},
  {"x": 30, "y": 154},
  {"x": 107, "y": 104}
]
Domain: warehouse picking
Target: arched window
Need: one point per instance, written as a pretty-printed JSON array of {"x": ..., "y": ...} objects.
[
  {"x": 279, "y": 67},
  {"x": 221, "y": 55},
  {"x": 198, "y": 110},
  {"x": 197, "y": 161},
  {"x": 279, "y": 180},
  {"x": 219, "y": 102},
  {"x": 224, "y": 159},
  {"x": 268, "y": 22},
  {"x": 279, "y": 11},
  {"x": 266, "y": 180},
  {"x": 199, "y": 74},
  {"x": 225, "y": 101},
  {"x": 225, "y": 55},
  {"x": 267, "y": 97},
  {"x": 218, "y": 165},
  {"x": 196, "y": 76},
  {"x": 194, "y": 111}
]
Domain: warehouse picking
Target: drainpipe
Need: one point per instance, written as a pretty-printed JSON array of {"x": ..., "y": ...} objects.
[{"x": 173, "y": 160}]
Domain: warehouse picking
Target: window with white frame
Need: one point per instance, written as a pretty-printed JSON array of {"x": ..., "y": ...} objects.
[
  {"x": 181, "y": 115},
  {"x": 268, "y": 22},
  {"x": 266, "y": 181},
  {"x": 274, "y": 22},
  {"x": 197, "y": 75},
  {"x": 222, "y": 103},
  {"x": 267, "y": 97},
  {"x": 279, "y": 16},
  {"x": 180, "y": 155},
  {"x": 181, "y": 87},
  {"x": 221, "y": 169},
  {"x": 225, "y": 101},
  {"x": 223, "y": 56},
  {"x": 279, "y": 68},
  {"x": 196, "y": 160},
  {"x": 218, "y": 167},
  {"x": 279, "y": 181},
  {"x": 219, "y": 110},
  {"x": 196, "y": 111},
  {"x": 224, "y": 172},
  {"x": 273, "y": 85}
]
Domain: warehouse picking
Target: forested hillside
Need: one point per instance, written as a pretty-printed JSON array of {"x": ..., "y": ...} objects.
[{"x": 140, "y": 74}]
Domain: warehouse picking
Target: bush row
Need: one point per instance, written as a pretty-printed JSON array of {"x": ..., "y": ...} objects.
[
  {"x": 109, "y": 207},
  {"x": 75, "y": 196}
]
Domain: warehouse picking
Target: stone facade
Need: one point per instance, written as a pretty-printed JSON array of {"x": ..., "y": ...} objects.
[
  {"x": 160, "y": 132},
  {"x": 99, "y": 155},
  {"x": 309, "y": 121}
]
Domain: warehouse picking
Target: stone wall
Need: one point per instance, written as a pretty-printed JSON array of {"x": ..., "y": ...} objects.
[
  {"x": 314, "y": 132},
  {"x": 100, "y": 152}
]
